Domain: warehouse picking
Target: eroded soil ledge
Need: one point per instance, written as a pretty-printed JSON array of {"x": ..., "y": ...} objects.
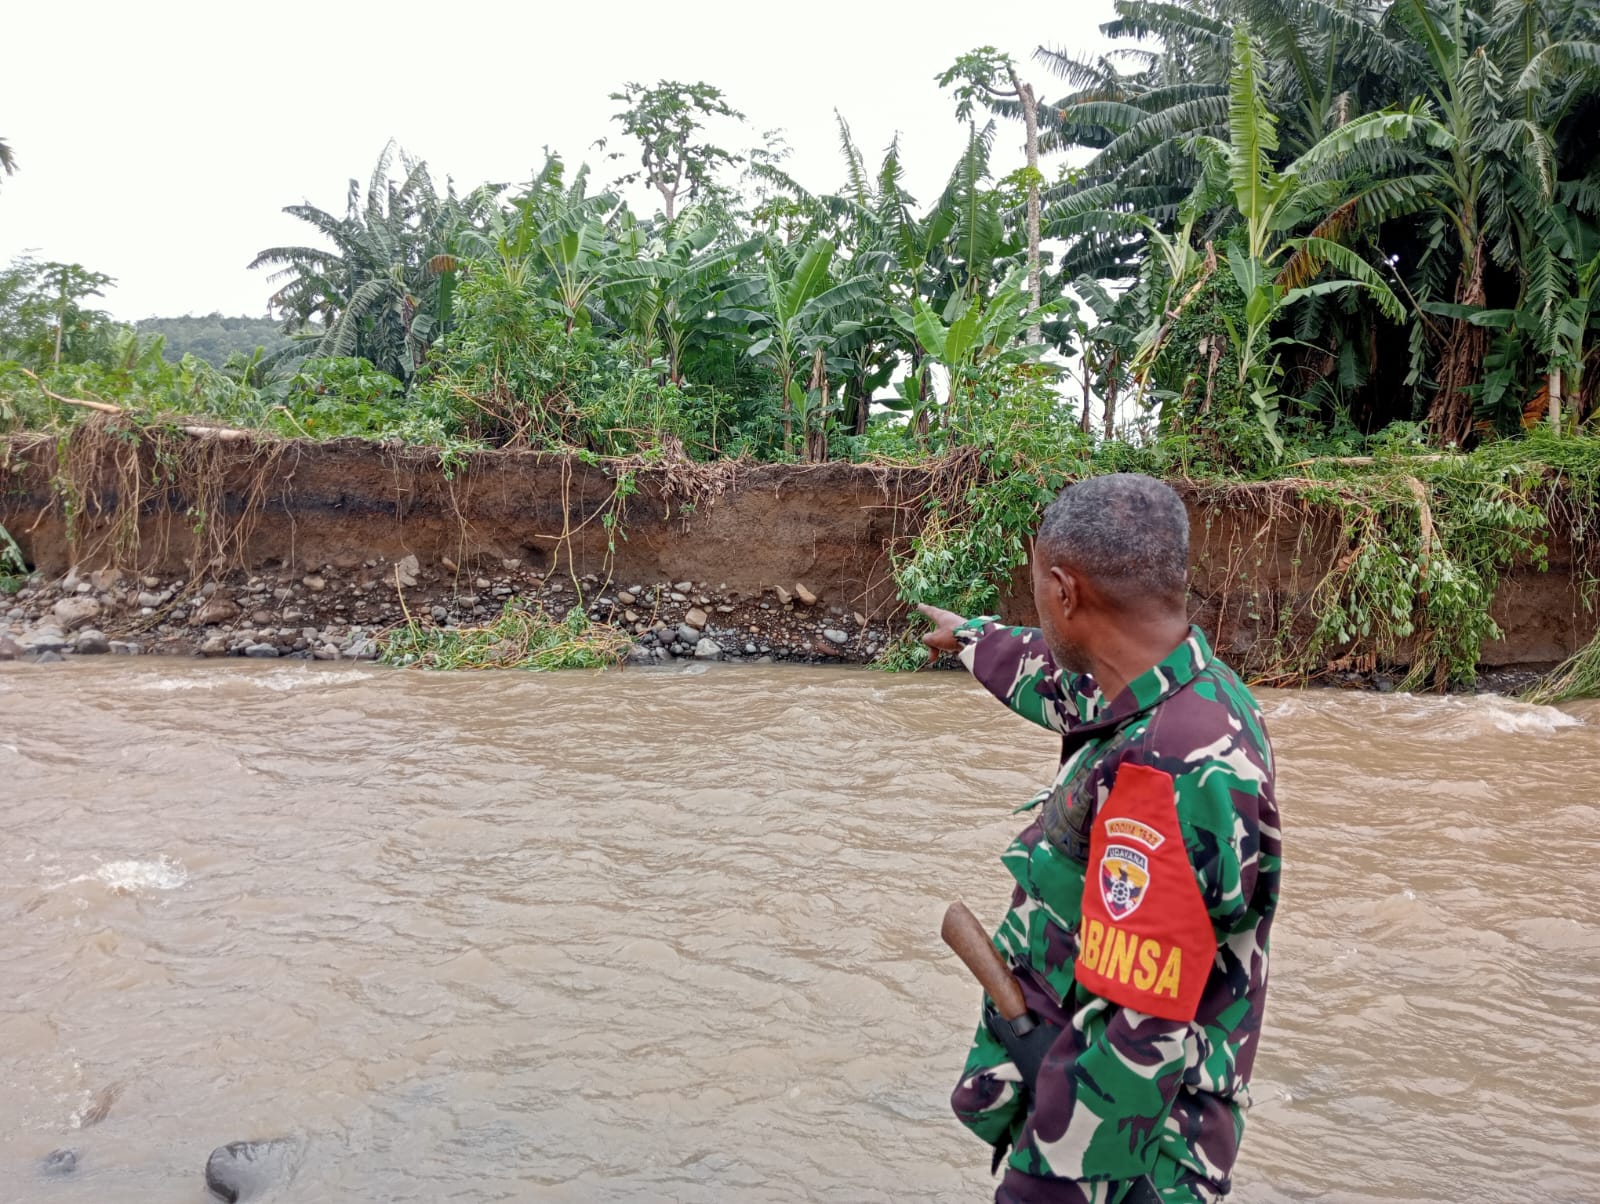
[{"x": 199, "y": 544}]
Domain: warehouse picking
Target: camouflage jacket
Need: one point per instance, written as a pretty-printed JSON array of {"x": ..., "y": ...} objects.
[{"x": 1125, "y": 1091}]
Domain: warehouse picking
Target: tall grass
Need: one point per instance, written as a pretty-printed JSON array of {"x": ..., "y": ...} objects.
[{"x": 518, "y": 639}]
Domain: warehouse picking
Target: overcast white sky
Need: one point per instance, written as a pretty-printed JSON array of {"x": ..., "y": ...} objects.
[{"x": 158, "y": 142}]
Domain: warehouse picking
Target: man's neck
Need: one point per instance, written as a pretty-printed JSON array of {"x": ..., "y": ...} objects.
[{"x": 1129, "y": 653}]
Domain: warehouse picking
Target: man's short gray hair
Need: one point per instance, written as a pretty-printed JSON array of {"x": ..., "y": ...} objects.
[{"x": 1126, "y": 532}]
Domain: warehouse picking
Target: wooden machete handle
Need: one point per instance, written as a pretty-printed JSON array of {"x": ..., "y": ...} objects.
[{"x": 966, "y": 937}]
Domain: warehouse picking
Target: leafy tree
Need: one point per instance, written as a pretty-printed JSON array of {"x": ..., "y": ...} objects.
[
  {"x": 666, "y": 121},
  {"x": 45, "y": 319},
  {"x": 213, "y": 337},
  {"x": 985, "y": 75}
]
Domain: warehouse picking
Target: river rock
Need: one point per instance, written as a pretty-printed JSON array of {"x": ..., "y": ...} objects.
[
  {"x": 90, "y": 642},
  {"x": 242, "y": 1171},
  {"x": 627, "y": 597},
  {"x": 59, "y": 1162},
  {"x": 688, "y": 636},
  {"x": 216, "y": 645},
  {"x": 804, "y": 596},
  {"x": 639, "y": 655},
  {"x": 48, "y": 658},
  {"x": 125, "y": 648},
  {"x": 44, "y": 639},
  {"x": 696, "y": 618},
  {"x": 261, "y": 651},
  {"x": 406, "y": 571},
  {"x": 364, "y": 649},
  {"x": 75, "y": 612},
  {"x": 326, "y": 652},
  {"x": 683, "y": 587},
  {"x": 315, "y": 584},
  {"x": 105, "y": 579},
  {"x": 707, "y": 649},
  {"x": 215, "y": 610},
  {"x": 9, "y": 648},
  {"x": 150, "y": 601},
  {"x": 783, "y": 595}
]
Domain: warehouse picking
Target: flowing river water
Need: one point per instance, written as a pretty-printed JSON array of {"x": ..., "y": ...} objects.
[{"x": 674, "y": 935}]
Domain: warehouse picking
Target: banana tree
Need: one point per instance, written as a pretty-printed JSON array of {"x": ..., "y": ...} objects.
[
  {"x": 969, "y": 333},
  {"x": 661, "y": 287},
  {"x": 792, "y": 309},
  {"x": 1274, "y": 268}
]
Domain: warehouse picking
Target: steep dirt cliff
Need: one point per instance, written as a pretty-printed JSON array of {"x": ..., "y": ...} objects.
[{"x": 208, "y": 542}]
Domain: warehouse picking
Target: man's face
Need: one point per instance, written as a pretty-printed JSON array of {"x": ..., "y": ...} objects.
[{"x": 1054, "y": 596}]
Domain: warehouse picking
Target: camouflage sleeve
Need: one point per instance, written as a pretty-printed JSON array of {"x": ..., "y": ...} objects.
[
  {"x": 1105, "y": 1117},
  {"x": 1014, "y": 665}
]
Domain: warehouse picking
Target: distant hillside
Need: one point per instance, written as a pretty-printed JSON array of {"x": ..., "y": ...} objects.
[{"x": 213, "y": 338}]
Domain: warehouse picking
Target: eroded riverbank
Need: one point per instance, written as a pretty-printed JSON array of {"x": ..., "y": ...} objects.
[{"x": 180, "y": 543}]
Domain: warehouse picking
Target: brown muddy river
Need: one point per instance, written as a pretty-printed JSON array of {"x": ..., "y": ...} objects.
[{"x": 674, "y": 935}]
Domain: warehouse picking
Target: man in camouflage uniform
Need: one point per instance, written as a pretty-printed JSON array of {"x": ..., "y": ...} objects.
[{"x": 1147, "y": 881}]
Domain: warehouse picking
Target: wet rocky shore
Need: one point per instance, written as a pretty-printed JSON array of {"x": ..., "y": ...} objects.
[{"x": 336, "y": 613}]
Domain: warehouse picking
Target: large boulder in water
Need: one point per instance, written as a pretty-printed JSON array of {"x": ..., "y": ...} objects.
[{"x": 242, "y": 1171}]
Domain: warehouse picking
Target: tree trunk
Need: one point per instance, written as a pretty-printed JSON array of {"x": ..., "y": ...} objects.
[
  {"x": 788, "y": 413},
  {"x": 1461, "y": 361},
  {"x": 817, "y": 438},
  {"x": 1030, "y": 123},
  {"x": 1111, "y": 399},
  {"x": 1083, "y": 422}
]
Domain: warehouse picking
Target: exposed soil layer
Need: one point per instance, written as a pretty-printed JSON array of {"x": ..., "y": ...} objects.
[{"x": 227, "y": 544}]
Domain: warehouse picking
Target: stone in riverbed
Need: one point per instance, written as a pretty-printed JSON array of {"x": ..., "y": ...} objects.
[
  {"x": 90, "y": 642},
  {"x": 363, "y": 649},
  {"x": 707, "y": 649},
  {"x": 125, "y": 648},
  {"x": 217, "y": 645},
  {"x": 696, "y": 618},
  {"x": 59, "y": 1162},
  {"x": 44, "y": 639},
  {"x": 261, "y": 651},
  {"x": 75, "y": 612},
  {"x": 216, "y": 610},
  {"x": 804, "y": 596},
  {"x": 327, "y": 652},
  {"x": 252, "y": 1170},
  {"x": 9, "y": 648},
  {"x": 687, "y": 635},
  {"x": 835, "y": 636},
  {"x": 406, "y": 571},
  {"x": 315, "y": 584}
]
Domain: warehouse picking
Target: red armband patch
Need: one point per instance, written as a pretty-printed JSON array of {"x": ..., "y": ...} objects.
[{"x": 1146, "y": 940}]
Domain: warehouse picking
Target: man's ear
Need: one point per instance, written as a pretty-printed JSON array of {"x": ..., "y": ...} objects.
[{"x": 1066, "y": 588}]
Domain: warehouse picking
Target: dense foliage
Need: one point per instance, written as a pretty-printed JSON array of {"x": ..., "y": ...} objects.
[
  {"x": 214, "y": 338},
  {"x": 1305, "y": 229}
]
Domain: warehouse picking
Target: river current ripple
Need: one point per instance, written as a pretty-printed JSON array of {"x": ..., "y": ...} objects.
[{"x": 673, "y": 935}]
